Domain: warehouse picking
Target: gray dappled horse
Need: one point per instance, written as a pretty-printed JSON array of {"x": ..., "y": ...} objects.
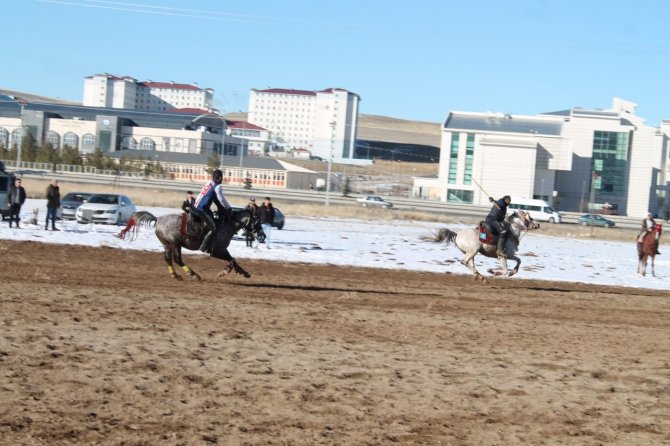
[
  {"x": 468, "y": 241},
  {"x": 175, "y": 231}
]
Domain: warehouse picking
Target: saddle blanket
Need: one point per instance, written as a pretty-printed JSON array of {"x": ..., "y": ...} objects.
[{"x": 485, "y": 236}]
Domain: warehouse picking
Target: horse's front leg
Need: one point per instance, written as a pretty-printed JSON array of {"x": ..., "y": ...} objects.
[
  {"x": 516, "y": 267},
  {"x": 239, "y": 269},
  {"x": 653, "y": 273}
]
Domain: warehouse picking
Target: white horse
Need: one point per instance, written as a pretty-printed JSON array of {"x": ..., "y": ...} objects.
[{"x": 468, "y": 241}]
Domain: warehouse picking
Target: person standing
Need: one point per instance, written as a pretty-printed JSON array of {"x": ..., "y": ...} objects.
[
  {"x": 188, "y": 203},
  {"x": 16, "y": 197},
  {"x": 53, "y": 203},
  {"x": 252, "y": 207},
  {"x": 266, "y": 214}
]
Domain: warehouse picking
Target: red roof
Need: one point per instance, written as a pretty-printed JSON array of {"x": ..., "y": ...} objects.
[
  {"x": 190, "y": 111},
  {"x": 288, "y": 91},
  {"x": 172, "y": 85},
  {"x": 242, "y": 125}
]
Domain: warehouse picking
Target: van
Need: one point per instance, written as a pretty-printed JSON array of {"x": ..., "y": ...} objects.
[{"x": 539, "y": 210}]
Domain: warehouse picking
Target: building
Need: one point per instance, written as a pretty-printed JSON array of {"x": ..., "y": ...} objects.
[
  {"x": 110, "y": 91},
  {"x": 182, "y": 142},
  {"x": 578, "y": 159},
  {"x": 324, "y": 122}
]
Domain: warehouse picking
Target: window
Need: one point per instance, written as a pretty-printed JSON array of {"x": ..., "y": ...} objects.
[
  {"x": 71, "y": 139},
  {"x": 610, "y": 159},
  {"x": 453, "y": 158},
  {"x": 4, "y": 137},
  {"x": 54, "y": 139},
  {"x": 459, "y": 196},
  {"x": 128, "y": 143},
  {"x": 147, "y": 144},
  {"x": 469, "y": 156}
]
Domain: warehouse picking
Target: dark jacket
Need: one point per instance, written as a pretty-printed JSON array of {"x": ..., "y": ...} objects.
[
  {"x": 266, "y": 214},
  {"x": 53, "y": 196},
  {"x": 16, "y": 191},
  {"x": 497, "y": 213},
  {"x": 187, "y": 204}
]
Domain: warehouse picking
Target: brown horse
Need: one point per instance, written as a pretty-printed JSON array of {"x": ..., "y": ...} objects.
[
  {"x": 648, "y": 248},
  {"x": 175, "y": 233}
]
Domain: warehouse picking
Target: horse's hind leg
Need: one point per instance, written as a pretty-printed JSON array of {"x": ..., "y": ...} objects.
[
  {"x": 469, "y": 261},
  {"x": 187, "y": 269},
  {"x": 239, "y": 269},
  {"x": 167, "y": 255}
]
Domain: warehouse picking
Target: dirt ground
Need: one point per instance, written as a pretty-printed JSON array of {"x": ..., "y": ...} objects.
[{"x": 100, "y": 346}]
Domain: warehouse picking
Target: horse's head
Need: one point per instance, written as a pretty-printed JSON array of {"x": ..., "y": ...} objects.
[
  {"x": 524, "y": 220},
  {"x": 242, "y": 219}
]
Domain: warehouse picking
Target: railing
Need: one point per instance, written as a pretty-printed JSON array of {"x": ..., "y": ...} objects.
[{"x": 47, "y": 168}]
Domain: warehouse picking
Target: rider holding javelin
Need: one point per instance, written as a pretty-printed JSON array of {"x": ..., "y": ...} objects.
[{"x": 496, "y": 219}]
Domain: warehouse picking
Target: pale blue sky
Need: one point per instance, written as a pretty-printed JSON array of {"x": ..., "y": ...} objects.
[{"x": 412, "y": 60}]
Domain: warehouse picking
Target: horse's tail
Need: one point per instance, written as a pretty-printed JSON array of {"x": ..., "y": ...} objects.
[
  {"x": 444, "y": 234},
  {"x": 135, "y": 222}
]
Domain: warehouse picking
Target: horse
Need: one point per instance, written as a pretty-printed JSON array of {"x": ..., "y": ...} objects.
[
  {"x": 177, "y": 231},
  {"x": 648, "y": 248},
  {"x": 472, "y": 241}
]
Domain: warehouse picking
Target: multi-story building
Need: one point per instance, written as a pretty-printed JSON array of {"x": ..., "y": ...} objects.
[
  {"x": 183, "y": 143},
  {"x": 578, "y": 158},
  {"x": 110, "y": 91},
  {"x": 323, "y": 122}
]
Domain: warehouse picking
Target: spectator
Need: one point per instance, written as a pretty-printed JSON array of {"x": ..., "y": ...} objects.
[
  {"x": 266, "y": 214},
  {"x": 188, "y": 203},
  {"x": 249, "y": 234},
  {"x": 16, "y": 197},
  {"x": 53, "y": 203}
]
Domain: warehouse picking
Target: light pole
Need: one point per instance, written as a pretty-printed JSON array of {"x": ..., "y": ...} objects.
[
  {"x": 542, "y": 189},
  {"x": 23, "y": 135},
  {"x": 224, "y": 131},
  {"x": 330, "y": 161}
]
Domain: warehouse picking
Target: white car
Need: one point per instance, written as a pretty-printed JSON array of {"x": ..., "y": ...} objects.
[
  {"x": 106, "y": 208},
  {"x": 374, "y": 201}
]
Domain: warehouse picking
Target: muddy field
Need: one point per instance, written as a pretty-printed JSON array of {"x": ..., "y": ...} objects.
[{"x": 99, "y": 346}]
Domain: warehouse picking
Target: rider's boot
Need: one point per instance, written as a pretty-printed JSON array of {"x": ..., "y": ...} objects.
[
  {"x": 206, "y": 245},
  {"x": 502, "y": 238}
]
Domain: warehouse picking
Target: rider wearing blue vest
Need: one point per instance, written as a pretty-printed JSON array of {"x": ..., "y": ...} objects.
[
  {"x": 496, "y": 219},
  {"x": 211, "y": 193}
]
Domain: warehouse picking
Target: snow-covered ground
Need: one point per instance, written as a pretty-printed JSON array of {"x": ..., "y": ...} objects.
[{"x": 382, "y": 244}]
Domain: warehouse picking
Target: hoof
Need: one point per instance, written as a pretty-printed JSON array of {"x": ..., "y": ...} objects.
[
  {"x": 222, "y": 273},
  {"x": 196, "y": 277},
  {"x": 176, "y": 277},
  {"x": 246, "y": 275}
]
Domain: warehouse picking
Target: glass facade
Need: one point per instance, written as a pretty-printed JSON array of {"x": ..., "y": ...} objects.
[
  {"x": 453, "y": 158},
  {"x": 469, "y": 156},
  {"x": 610, "y": 161},
  {"x": 459, "y": 196}
]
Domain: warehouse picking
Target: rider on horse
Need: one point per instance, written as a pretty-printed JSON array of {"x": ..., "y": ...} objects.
[
  {"x": 212, "y": 192},
  {"x": 496, "y": 221},
  {"x": 648, "y": 225}
]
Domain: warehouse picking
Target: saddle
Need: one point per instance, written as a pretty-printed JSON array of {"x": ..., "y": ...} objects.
[
  {"x": 486, "y": 235},
  {"x": 191, "y": 226}
]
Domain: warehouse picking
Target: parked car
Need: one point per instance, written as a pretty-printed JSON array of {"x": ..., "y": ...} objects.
[
  {"x": 595, "y": 220},
  {"x": 374, "y": 201},
  {"x": 279, "y": 220},
  {"x": 106, "y": 208},
  {"x": 70, "y": 202}
]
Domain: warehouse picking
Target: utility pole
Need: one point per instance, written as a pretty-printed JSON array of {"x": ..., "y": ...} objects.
[
  {"x": 330, "y": 161},
  {"x": 23, "y": 135}
]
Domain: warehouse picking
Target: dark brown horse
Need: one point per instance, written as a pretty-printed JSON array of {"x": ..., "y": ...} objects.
[
  {"x": 176, "y": 232},
  {"x": 648, "y": 249}
]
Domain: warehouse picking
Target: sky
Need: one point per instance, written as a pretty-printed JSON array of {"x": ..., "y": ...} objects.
[
  {"x": 410, "y": 60},
  {"x": 393, "y": 244}
]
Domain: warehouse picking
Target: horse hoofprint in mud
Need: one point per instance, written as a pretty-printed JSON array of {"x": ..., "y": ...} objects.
[{"x": 470, "y": 243}]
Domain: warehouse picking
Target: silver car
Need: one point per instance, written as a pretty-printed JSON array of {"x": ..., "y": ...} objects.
[
  {"x": 106, "y": 208},
  {"x": 374, "y": 201},
  {"x": 70, "y": 202}
]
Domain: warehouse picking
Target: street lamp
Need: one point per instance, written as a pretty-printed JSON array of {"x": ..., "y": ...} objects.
[
  {"x": 224, "y": 131},
  {"x": 23, "y": 135},
  {"x": 330, "y": 161}
]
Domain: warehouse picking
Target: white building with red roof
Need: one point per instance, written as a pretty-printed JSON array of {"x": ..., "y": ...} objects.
[
  {"x": 324, "y": 122},
  {"x": 110, "y": 91}
]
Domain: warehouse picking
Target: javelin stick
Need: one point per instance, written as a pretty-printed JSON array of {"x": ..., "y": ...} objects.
[{"x": 482, "y": 189}]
